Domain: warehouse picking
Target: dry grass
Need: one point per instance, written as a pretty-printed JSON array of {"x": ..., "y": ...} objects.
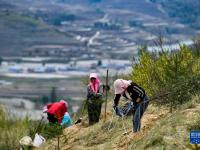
[
  {"x": 108, "y": 134},
  {"x": 160, "y": 130}
]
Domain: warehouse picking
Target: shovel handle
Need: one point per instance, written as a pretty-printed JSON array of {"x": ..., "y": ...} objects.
[{"x": 106, "y": 92}]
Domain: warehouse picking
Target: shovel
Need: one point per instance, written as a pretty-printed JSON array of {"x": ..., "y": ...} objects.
[
  {"x": 106, "y": 94},
  {"x": 38, "y": 126},
  {"x": 80, "y": 119}
]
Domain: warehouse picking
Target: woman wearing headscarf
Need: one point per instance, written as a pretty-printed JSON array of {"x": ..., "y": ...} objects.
[
  {"x": 136, "y": 94},
  {"x": 94, "y": 98},
  {"x": 56, "y": 111}
]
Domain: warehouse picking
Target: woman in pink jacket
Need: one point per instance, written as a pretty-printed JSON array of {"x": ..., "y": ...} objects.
[{"x": 94, "y": 98}]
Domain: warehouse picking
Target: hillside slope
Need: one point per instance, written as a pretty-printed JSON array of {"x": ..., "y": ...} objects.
[
  {"x": 68, "y": 24},
  {"x": 19, "y": 31},
  {"x": 186, "y": 12},
  {"x": 160, "y": 130}
]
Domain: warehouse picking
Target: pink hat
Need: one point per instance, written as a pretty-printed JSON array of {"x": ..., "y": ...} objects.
[
  {"x": 94, "y": 75},
  {"x": 94, "y": 85},
  {"x": 121, "y": 85}
]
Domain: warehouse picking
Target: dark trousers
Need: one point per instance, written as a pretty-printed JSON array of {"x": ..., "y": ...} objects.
[
  {"x": 52, "y": 118},
  {"x": 94, "y": 111},
  {"x": 140, "y": 109}
]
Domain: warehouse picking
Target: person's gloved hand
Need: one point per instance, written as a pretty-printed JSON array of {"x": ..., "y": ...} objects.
[
  {"x": 118, "y": 111},
  {"x": 106, "y": 87},
  {"x": 98, "y": 94},
  {"x": 115, "y": 108}
]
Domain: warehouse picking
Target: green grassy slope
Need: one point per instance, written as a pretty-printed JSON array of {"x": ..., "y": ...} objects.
[
  {"x": 172, "y": 131},
  {"x": 19, "y": 32},
  {"x": 160, "y": 130}
]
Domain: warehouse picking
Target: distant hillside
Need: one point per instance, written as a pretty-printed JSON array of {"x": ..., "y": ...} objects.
[
  {"x": 186, "y": 11},
  {"x": 19, "y": 31},
  {"x": 138, "y": 6},
  {"x": 35, "y": 23},
  {"x": 4, "y": 5}
]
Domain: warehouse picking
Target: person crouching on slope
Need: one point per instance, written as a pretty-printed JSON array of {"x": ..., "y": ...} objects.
[
  {"x": 136, "y": 94},
  {"x": 56, "y": 111},
  {"x": 94, "y": 99}
]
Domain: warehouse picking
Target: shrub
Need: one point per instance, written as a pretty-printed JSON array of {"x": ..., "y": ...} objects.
[
  {"x": 11, "y": 131},
  {"x": 175, "y": 73},
  {"x": 51, "y": 130}
]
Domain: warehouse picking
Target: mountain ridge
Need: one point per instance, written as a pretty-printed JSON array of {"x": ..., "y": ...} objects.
[{"x": 133, "y": 22}]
